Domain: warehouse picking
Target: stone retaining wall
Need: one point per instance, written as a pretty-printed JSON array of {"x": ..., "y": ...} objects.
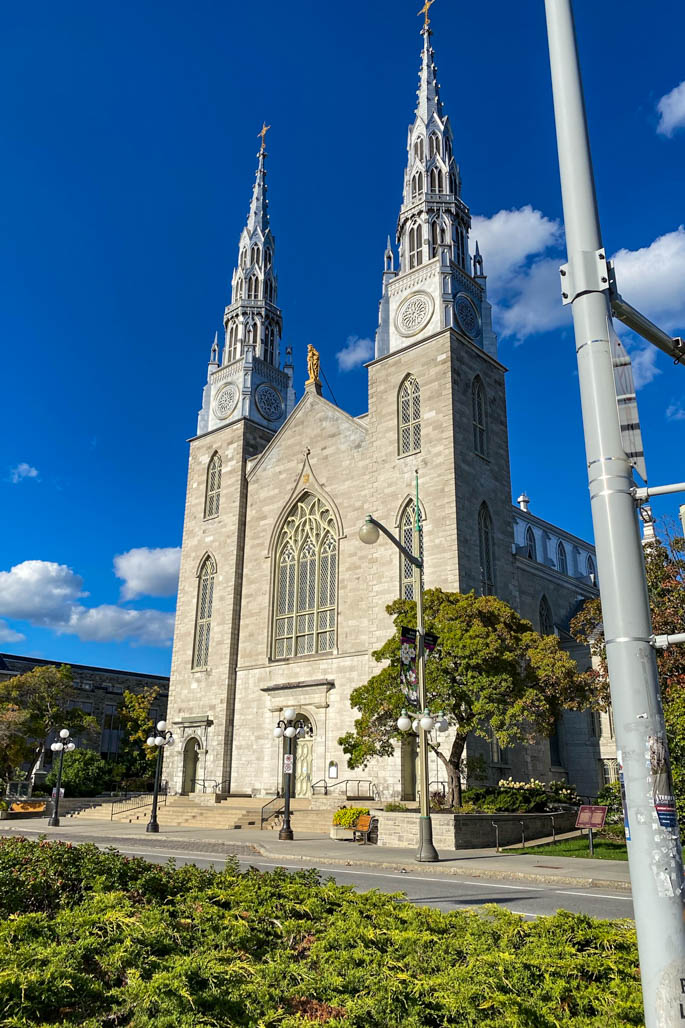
[{"x": 470, "y": 831}]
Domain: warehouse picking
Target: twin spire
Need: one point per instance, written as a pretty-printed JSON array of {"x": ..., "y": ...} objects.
[{"x": 429, "y": 91}]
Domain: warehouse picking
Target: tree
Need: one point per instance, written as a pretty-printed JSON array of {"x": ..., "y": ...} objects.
[
  {"x": 32, "y": 706},
  {"x": 665, "y": 567},
  {"x": 489, "y": 671},
  {"x": 84, "y": 773},
  {"x": 135, "y": 759}
]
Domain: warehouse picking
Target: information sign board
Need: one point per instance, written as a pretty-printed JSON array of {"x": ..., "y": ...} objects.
[
  {"x": 590, "y": 816},
  {"x": 288, "y": 764}
]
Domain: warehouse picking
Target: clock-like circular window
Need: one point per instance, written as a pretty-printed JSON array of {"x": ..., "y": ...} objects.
[
  {"x": 226, "y": 400},
  {"x": 414, "y": 313},
  {"x": 467, "y": 315},
  {"x": 269, "y": 403}
]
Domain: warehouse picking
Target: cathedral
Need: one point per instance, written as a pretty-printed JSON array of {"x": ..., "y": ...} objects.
[{"x": 280, "y": 605}]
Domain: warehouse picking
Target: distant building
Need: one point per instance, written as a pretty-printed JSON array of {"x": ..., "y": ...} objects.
[{"x": 99, "y": 691}]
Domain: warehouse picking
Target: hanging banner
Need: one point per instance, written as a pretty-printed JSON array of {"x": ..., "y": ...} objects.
[{"x": 408, "y": 653}]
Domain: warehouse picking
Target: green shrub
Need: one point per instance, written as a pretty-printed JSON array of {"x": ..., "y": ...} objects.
[
  {"x": 610, "y": 796},
  {"x": 394, "y": 807},
  {"x": 347, "y": 817},
  {"x": 122, "y": 943},
  {"x": 84, "y": 773}
]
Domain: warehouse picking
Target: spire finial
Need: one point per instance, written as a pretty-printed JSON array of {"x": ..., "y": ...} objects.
[
  {"x": 424, "y": 11},
  {"x": 265, "y": 129}
]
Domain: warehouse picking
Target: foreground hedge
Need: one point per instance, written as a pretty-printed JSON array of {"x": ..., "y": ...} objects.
[{"x": 94, "y": 939}]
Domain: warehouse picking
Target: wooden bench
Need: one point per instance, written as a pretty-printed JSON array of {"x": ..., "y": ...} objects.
[{"x": 362, "y": 828}]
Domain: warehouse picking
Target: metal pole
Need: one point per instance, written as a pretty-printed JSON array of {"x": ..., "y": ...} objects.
[
  {"x": 286, "y": 832},
  {"x": 426, "y": 851},
  {"x": 153, "y": 824},
  {"x": 54, "y": 820},
  {"x": 654, "y": 854}
]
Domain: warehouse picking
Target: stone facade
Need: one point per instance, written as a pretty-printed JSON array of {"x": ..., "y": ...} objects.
[{"x": 436, "y": 406}]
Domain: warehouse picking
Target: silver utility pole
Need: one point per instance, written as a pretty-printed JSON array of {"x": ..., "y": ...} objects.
[{"x": 654, "y": 854}]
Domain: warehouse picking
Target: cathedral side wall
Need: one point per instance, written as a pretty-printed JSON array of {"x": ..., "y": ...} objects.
[{"x": 200, "y": 700}]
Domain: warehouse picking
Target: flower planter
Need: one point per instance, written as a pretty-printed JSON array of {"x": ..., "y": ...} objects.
[{"x": 340, "y": 833}]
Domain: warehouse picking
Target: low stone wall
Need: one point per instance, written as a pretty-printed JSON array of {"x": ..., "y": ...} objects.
[{"x": 470, "y": 831}]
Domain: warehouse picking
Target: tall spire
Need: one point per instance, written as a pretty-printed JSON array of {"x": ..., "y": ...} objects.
[
  {"x": 429, "y": 90},
  {"x": 252, "y": 319},
  {"x": 258, "y": 216}
]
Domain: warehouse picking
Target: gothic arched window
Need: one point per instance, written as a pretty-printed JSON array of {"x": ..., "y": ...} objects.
[
  {"x": 407, "y": 540},
  {"x": 415, "y": 246},
  {"x": 546, "y": 617},
  {"x": 591, "y": 569},
  {"x": 409, "y": 416},
  {"x": 256, "y": 255},
  {"x": 213, "y": 490},
  {"x": 306, "y": 580},
  {"x": 253, "y": 288},
  {"x": 562, "y": 559},
  {"x": 418, "y": 149},
  {"x": 434, "y": 180},
  {"x": 232, "y": 343},
  {"x": 203, "y": 613},
  {"x": 413, "y": 187},
  {"x": 434, "y": 145},
  {"x": 267, "y": 257},
  {"x": 269, "y": 344},
  {"x": 420, "y": 182},
  {"x": 239, "y": 289},
  {"x": 480, "y": 440},
  {"x": 486, "y": 551},
  {"x": 435, "y": 234},
  {"x": 531, "y": 546},
  {"x": 243, "y": 258}
]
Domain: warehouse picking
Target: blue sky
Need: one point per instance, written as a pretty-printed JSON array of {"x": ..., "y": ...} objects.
[{"x": 130, "y": 134}]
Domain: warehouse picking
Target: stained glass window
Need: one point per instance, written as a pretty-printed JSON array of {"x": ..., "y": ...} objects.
[
  {"x": 485, "y": 547},
  {"x": 409, "y": 416},
  {"x": 407, "y": 540},
  {"x": 479, "y": 425},
  {"x": 203, "y": 617},
  {"x": 562, "y": 560},
  {"x": 546, "y": 617},
  {"x": 213, "y": 493},
  {"x": 306, "y": 581}
]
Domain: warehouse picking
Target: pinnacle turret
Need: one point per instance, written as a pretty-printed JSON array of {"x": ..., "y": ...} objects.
[{"x": 428, "y": 94}]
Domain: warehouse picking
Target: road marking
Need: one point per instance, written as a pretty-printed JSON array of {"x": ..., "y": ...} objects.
[{"x": 593, "y": 895}]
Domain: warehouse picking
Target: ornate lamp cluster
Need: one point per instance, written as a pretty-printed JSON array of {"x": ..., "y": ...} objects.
[
  {"x": 161, "y": 740},
  {"x": 426, "y": 722},
  {"x": 65, "y": 744}
]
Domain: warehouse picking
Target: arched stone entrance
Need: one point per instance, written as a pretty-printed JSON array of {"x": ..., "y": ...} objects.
[
  {"x": 191, "y": 757},
  {"x": 303, "y": 763}
]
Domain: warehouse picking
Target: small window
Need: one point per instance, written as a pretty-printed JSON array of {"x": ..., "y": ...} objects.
[
  {"x": 243, "y": 258},
  {"x": 203, "y": 614},
  {"x": 485, "y": 549},
  {"x": 413, "y": 188},
  {"x": 213, "y": 493},
  {"x": 591, "y": 569},
  {"x": 415, "y": 246},
  {"x": 531, "y": 547},
  {"x": 434, "y": 145},
  {"x": 435, "y": 235},
  {"x": 434, "y": 180},
  {"x": 546, "y": 617},
  {"x": 409, "y": 416},
  {"x": 478, "y": 409},
  {"x": 239, "y": 289},
  {"x": 562, "y": 559}
]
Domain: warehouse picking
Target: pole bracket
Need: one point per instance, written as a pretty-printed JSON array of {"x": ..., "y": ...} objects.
[
  {"x": 662, "y": 642},
  {"x": 587, "y": 272}
]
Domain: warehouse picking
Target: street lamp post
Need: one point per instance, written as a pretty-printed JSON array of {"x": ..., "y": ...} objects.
[
  {"x": 64, "y": 743},
  {"x": 289, "y": 728},
  {"x": 369, "y": 533},
  {"x": 162, "y": 739}
]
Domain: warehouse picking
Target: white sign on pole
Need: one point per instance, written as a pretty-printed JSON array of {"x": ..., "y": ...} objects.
[{"x": 288, "y": 764}]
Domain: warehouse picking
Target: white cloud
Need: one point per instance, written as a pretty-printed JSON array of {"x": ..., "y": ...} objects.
[
  {"x": 675, "y": 412},
  {"x": 509, "y": 238},
  {"x": 8, "y": 635},
  {"x": 354, "y": 353},
  {"x": 671, "y": 110},
  {"x": 535, "y": 304},
  {"x": 643, "y": 357},
  {"x": 46, "y": 594},
  {"x": 21, "y": 472},
  {"x": 148, "y": 572},
  {"x": 653, "y": 279}
]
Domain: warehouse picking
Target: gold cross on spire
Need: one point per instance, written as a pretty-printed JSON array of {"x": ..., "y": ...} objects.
[
  {"x": 265, "y": 127},
  {"x": 424, "y": 10}
]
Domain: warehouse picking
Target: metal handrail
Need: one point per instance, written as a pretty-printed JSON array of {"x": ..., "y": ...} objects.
[
  {"x": 347, "y": 782},
  {"x": 135, "y": 802},
  {"x": 277, "y": 804}
]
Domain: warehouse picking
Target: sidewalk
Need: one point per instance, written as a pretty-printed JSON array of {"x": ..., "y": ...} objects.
[{"x": 323, "y": 851}]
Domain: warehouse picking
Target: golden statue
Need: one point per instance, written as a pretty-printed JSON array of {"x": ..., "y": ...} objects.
[
  {"x": 265, "y": 127},
  {"x": 313, "y": 365},
  {"x": 424, "y": 10}
]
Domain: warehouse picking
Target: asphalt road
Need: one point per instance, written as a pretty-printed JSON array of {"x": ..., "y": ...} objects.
[{"x": 444, "y": 892}]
